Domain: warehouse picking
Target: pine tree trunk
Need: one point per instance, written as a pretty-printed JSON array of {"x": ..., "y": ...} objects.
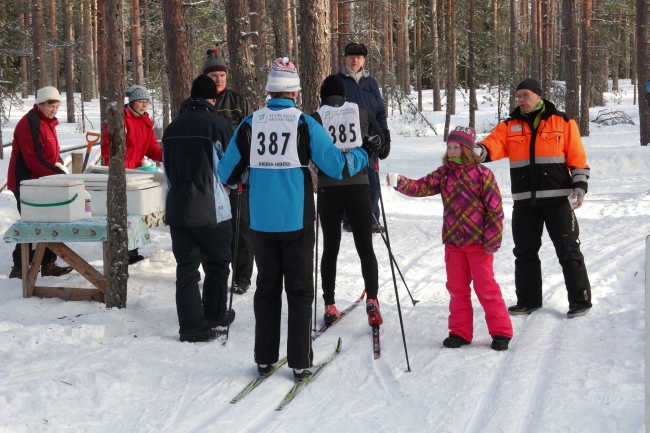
[
  {"x": 416, "y": 52},
  {"x": 118, "y": 273},
  {"x": 585, "y": 66},
  {"x": 344, "y": 29},
  {"x": 88, "y": 86},
  {"x": 513, "y": 52},
  {"x": 38, "y": 39},
  {"x": 642, "y": 69},
  {"x": 24, "y": 67},
  {"x": 494, "y": 77},
  {"x": 287, "y": 26},
  {"x": 334, "y": 41},
  {"x": 451, "y": 95},
  {"x": 572, "y": 105},
  {"x": 534, "y": 55},
  {"x": 315, "y": 37},
  {"x": 145, "y": 41},
  {"x": 102, "y": 60},
  {"x": 616, "y": 59},
  {"x": 136, "y": 43},
  {"x": 242, "y": 71},
  {"x": 54, "y": 38},
  {"x": 259, "y": 41},
  {"x": 435, "y": 63},
  {"x": 70, "y": 84},
  {"x": 407, "y": 54},
  {"x": 473, "y": 103},
  {"x": 177, "y": 53},
  {"x": 164, "y": 84}
]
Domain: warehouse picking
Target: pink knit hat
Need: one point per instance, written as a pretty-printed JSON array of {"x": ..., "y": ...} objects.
[{"x": 463, "y": 135}]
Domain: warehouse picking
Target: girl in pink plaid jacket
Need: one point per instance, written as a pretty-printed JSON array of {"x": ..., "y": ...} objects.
[{"x": 472, "y": 230}]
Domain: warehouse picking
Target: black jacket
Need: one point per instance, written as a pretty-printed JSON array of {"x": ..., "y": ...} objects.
[
  {"x": 192, "y": 146},
  {"x": 231, "y": 105}
]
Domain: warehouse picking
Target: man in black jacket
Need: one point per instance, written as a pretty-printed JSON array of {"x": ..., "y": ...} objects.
[
  {"x": 234, "y": 107},
  {"x": 363, "y": 90},
  {"x": 198, "y": 213}
]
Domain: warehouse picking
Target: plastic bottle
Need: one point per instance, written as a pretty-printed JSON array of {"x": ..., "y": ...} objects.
[{"x": 87, "y": 206}]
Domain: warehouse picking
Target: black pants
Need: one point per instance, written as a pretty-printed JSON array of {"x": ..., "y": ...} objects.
[
  {"x": 355, "y": 200},
  {"x": 189, "y": 244},
  {"x": 562, "y": 226},
  {"x": 48, "y": 255},
  {"x": 244, "y": 259},
  {"x": 284, "y": 257},
  {"x": 373, "y": 194}
]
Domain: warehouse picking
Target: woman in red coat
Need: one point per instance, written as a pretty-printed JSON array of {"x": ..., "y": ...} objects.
[
  {"x": 34, "y": 154},
  {"x": 140, "y": 139}
]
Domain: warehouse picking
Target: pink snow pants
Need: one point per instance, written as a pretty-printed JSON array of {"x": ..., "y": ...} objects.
[{"x": 464, "y": 265}]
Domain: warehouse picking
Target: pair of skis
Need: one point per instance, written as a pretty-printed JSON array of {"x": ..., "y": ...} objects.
[{"x": 300, "y": 385}]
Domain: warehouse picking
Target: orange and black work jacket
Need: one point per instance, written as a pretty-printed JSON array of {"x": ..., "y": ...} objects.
[{"x": 546, "y": 162}]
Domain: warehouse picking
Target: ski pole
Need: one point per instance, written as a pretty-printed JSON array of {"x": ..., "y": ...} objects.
[
  {"x": 392, "y": 269},
  {"x": 234, "y": 259},
  {"x": 415, "y": 301},
  {"x": 316, "y": 268}
]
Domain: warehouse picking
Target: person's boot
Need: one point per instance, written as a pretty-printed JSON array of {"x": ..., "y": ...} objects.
[
  {"x": 499, "y": 342},
  {"x": 517, "y": 310},
  {"x": 16, "y": 272},
  {"x": 226, "y": 320},
  {"x": 455, "y": 341},
  {"x": 301, "y": 374},
  {"x": 201, "y": 336},
  {"x": 239, "y": 288},
  {"x": 374, "y": 316},
  {"x": 332, "y": 314},
  {"x": 52, "y": 270}
]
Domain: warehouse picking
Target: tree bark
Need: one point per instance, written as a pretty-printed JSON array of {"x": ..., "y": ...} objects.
[
  {"x": 417, "y": 44},
  {"x": 287, "y": 25},
  {"x": 315, "y": 37},
  {"x": 344, "y": 29},
  {"x": 145, "y": 40},
  {"x": 451, "y": 95},
  {"x": 70, "y": 85},
  {"x": 38, "y": 39},
  {"x": 257, "y": 15},
  {"x": 570, "y": 32},
  {"x": 585, "y": 66},
  {"x": 54, "y": 37},
  {"x": 334, "y": 41},
  {"x": 177, "y": 53},
  {"x": 24, "y": 67},
  {"x": 513, "y": 52},
  {"x": 102, "y": 60},
  {"x": 435, "y": 63},
  {"x": 473, "y": 103},
  {"x": 242, "y": 70},
  {"x": 118, "y": 273},
  {"x": 534, "y": 55},
  {"x": 642, "y": 69},
  {"x": 88, "y": 86},
  {"x": 136, "y": 43}
]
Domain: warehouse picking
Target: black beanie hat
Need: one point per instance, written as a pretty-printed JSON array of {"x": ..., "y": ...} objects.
[
  {"x": 332, "y": 85},
  {"x": 204, "y": 87},
  {"x": 356, "y": 49},
  {"x": 532, "y": 85}
]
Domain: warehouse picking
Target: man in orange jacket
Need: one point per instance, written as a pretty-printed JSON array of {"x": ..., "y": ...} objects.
[{"x": 547, "y": 164}]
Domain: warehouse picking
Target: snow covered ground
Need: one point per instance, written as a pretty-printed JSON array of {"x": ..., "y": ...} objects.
[{"x": 76, "y": 366}]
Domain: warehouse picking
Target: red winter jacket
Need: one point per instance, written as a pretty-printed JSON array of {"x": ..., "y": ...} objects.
[
  {"x": 35, "y": 149},
  {"x": 140, "y": 140}
]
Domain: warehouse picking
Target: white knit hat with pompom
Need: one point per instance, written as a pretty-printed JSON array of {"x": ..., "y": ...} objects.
[{"x": 283, "y": 76}]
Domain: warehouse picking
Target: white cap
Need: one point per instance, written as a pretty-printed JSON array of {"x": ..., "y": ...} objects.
[
  {"x": 283, "y": 76},
  {"x": 48, "y": 93}
]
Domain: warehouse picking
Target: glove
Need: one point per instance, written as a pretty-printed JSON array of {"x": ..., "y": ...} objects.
[
  {"x": 371, "y": 144},
  {"x": 62, "y": 167},
  {"x": 579, "y": 195},
  {"x": 385, "y": 149}
]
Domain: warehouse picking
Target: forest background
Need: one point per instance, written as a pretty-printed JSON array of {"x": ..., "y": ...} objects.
[{"x": 88, "y": 49}]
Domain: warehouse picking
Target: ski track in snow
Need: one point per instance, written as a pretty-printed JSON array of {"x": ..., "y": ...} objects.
[{"x": 75, "y": 366}]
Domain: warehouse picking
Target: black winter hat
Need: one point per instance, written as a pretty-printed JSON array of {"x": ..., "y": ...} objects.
[
  {"x": 204, "y": 87},
  {"x": 332, "y": 85},
  {"x": 356, "y": 49},
  {"x": 532, "y": 85}
]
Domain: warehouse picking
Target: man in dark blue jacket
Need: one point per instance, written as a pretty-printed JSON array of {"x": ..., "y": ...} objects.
[
  {"x": 363, "y": 90},
  {"x": 198, "y": 213}
]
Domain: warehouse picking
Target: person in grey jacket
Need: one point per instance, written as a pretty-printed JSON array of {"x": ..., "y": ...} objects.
[{"x": 198, "y": 213}]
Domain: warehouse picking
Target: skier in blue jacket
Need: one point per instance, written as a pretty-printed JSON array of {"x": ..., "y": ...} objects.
[{"x": 276, "y": 143}]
